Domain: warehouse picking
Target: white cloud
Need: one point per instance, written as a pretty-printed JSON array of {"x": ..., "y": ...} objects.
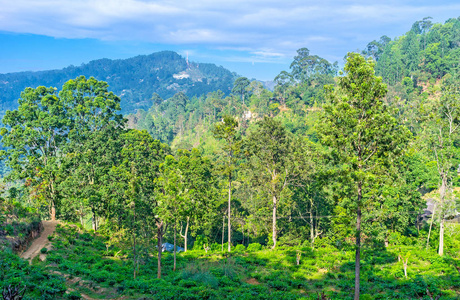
[{"x": 263, "y": 28}]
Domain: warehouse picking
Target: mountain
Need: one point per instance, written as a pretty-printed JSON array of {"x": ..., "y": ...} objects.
[{"x": 134, "y": 79}]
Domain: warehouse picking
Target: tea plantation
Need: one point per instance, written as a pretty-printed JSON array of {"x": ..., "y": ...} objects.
[{"x": 82, "y": 265}]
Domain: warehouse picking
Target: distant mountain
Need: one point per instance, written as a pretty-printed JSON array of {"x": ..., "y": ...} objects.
[{"x": 133, "y": 79}]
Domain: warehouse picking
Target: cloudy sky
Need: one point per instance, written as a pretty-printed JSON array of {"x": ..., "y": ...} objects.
[{"x": 254, "y": 38}]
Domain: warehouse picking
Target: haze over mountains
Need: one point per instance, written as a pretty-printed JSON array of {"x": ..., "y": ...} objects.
[{"x": 133, "y": 79}]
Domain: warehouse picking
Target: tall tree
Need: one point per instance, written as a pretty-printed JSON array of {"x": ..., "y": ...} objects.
[
  {"x": 199, "y": 180},
  {"x": 362, "y": 133},
  {"x": 443, "y": 136},
  {"x": 227, "y": 131},
  {"x": 133, "y": 188},
  {"x": 241, "y": 87},
  {"x": 175, "y": 195},
  {"x": 35, "y": 135},
  {"x": 95, "y": 123},
  {"x": 270, "y": 150}
]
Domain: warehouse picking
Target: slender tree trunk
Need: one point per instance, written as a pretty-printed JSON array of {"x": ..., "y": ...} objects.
[
  {"x": 53, "y": 212},
  {"x": 405, "y": 266},
  {"x": 53, "y": 202},
  {"x": 274, "y": 222},
  {"x": 185, "y": 235},
  {"x": 134, "y": 244},
  {"x": 441, "y": 237},
  {"x": 223, "y": 232},
  {"x": 160, "y": 243},
  {"x": 174, "y": 269},
  {"x": 431, "y": 225},
  {"x": 134, "y": 239},
  {"x": 312, "y": 232},
  {"x": 358, "y": 242},
  {"x": 81, "y": 214},
  {"x": 229, "y": 206},
  {"x": 93, "y": 220},
  {"x": 441, "y": 227}
]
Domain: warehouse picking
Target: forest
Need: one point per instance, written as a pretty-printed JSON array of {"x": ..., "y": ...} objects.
[{"x": 341, "y": 183}]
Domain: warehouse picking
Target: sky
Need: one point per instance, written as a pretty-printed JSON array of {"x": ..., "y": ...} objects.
[{"x": 254, "y": 38}]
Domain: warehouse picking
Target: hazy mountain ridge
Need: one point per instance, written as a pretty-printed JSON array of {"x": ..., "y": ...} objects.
[{"x": 134, "y": 79}]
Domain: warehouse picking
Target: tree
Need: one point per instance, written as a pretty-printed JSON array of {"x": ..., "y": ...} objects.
[
  {"x": 443, "y": 137},
  {"x": 240, "y": 87},
  {"x": 227, "y": 131},
  {"x": 156, "y": 99},
  {"x": 132, "y": 190},
  {"x": 201, "y": 183},
  {"x": 283, "y": 81},
  {"x": 175, "y": 195},
  {"x": 95, "y": 121},
  {"x": 270, "y": 151},
  {"x": 306, "y": 67},
  {"x": 362, "y": 134},
  {"x": 35, "y": 135}
]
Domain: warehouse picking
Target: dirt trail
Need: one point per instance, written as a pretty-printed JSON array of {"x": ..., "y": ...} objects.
[{"x": 40, "y": 242}]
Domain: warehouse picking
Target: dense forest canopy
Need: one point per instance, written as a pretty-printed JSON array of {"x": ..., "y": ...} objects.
[{"x": 331, "y": 161}]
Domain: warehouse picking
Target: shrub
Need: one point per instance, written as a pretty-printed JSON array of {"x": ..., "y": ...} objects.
[
  {"x": 239, "y": 248},
  {"x": 254, "y": 247},
  {"x": 74, "y": 295},
  {"x": 44, "y": 250}
]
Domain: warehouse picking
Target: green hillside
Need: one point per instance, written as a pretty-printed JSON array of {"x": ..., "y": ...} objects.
[{"x": 134, "y": 79}]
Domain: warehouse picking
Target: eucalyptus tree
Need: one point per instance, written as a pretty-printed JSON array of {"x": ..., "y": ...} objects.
[
  {"x": 271, "y": 158},
  {"x": 362, "y": 134},
  {"x": 132, "y": 191},
  {"x": 95, "y": 125},
  {"x": 34, "y": 136},
  {"x": 201, "y": 183},
  {"x": 174, "y": 195},
  {"x": 227, "y": 131},
  {"x": 443, "y": 136},
  {"x": 241, "y": 87}
]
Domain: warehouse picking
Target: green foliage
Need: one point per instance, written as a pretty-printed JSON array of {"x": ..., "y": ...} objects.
[
  {"x": 36, "y": 280},
  {"x": 254, "y": 247}
]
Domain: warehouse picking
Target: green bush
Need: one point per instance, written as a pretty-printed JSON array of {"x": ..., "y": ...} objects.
[
  {"x": 254, "y": 247},
  {"x": 73, "y": 295},
  {"x": 239, "y": 248}
]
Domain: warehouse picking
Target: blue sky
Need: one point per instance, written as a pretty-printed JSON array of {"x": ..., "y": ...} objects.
[{"x": 254, "y": 38}]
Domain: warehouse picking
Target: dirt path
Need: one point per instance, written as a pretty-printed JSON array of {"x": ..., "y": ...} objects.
[{"x": 40, "y": 242}]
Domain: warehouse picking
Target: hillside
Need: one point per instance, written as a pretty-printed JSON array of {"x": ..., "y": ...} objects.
[{"x": 133, "y": 79}]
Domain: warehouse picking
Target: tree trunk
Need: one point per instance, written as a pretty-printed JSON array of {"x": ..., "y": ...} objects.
[
  {"x": 431, "y": 225},
  {"x": 229, "y": 206},
  {"x": 53, "y": 212},
  {"x": 174, "y": 268},
  {"x": 160, "y": 243},
  {"x": 134, "y": 238},
  {"x": 441, "y": 227},
  {"x": 93, "y": 220},
  {"x": 405, "y": 266},
  {"x": 185, "y": 234},
  {"x": 358, "y": 242},
  {"x": 274, "y": 222},
  {"x": 441, "y": 237},
  {"x": 312, "y": 232},
  {"x": 223, "y": 232},
  {"x": 81, "y": 214},
  {"x": 53, "y": 202}
]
